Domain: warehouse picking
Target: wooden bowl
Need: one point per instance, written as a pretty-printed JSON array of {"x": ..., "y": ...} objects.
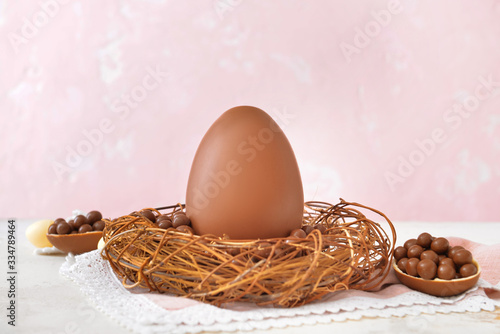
[
  {"x": 438, "y": 287},
  {"x": 75, "y": 243}
]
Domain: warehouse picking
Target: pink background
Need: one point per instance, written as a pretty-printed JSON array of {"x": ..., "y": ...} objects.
[{"x": 352, "y": 118}]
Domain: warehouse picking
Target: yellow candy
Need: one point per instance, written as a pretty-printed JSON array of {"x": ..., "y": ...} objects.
[
  {"x": 101, "y": 244},
  {"x": 36, "y": 233}
]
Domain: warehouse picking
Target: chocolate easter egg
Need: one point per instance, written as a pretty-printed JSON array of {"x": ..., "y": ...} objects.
[{"x": 244, "y": 181}]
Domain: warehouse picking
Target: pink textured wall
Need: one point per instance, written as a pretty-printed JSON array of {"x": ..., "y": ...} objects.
[{"x": 391, "y": 104}]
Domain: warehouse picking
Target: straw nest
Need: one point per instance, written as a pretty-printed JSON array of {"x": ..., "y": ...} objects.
[{"x": 345, "y": 250}]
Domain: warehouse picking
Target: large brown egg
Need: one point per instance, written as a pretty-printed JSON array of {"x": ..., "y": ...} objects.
[{"x": 245, "y": 182}]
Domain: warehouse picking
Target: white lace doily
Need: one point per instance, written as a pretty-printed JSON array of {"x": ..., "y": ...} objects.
[{"x": 144, "y": 312}]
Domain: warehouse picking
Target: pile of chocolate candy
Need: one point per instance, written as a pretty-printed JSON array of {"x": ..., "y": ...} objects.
[
  {"x": 80, "y": 224},
  {"x": 178, "y": 220},
  {"x": 428, "y": 257},
  {"x": 182, "y": 223}
]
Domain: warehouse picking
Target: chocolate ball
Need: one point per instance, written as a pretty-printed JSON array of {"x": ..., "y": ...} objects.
[
  {"x": 468, "y": 269},
  {"x": 415, "y": 251},
  {"x": 321, "y": 228},
  {"x": 440, "y": 245},
  {"x": 52, "y": 229},
  {"x": 431, "y": 255},
  {"x": 149, "y": 215},
  {"x": 453, "y": 250},
  {"x": 163, "y": 217},
  {"x": 233, "y": 251},
  {"x": 462, "y": 256},
  {"x": 447, "y": 261},
  {"x": 402, "y": 264},
  {"x": 72, "y": 224},
  {"x": 424, "y": 240},
  {"x": 308, "y": 228},
  {"x": 298, "y": 233},
  {"x": 93, "y": 216},
  {"x": 59, "y": 220},
  {"x": 185, "y": 229},
  {"x": 165, "y": 224},
  {"x": 99, "y": 225},
  {"x": 427, "y": 269},
  {"x": 445, "y": 271},
  {"x": 85, "y": 228},
  {"x": 411, "y": 266},
  {"x": 399, "y": 253},
  {"x": 263, "y": 250},
  {"x": 63, "y": 228},
  {"x": 80, "y": 220},
  {"x": 180, "y": 219},
  {"x": 409, "y": 243}
]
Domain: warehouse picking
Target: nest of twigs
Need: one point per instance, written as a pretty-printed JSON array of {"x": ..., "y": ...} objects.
[{"x": 345, "y": 250}]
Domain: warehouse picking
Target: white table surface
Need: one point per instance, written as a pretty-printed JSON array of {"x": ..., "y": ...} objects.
[{"x": 47, "y": 303}]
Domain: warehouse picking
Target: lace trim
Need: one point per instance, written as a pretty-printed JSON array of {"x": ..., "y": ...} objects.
[{"x": 136, "y": 312}]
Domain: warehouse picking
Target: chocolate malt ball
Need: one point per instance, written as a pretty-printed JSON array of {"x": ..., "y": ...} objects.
[
  {"x": 185, "y": 229},
  {"x": 453, "y": 250},
  {"x": 52, "y": 229},
  {"x": 321, "y": 228},
  {"x": 308, "y": 228},
  {"x": 424, "y": 240},
  {"x": 165, "y": 224},
  {"x": 149, "y": 215},
  {"x": 399, "y": 253},
  {"x": 80, "y": 220},
  {"x": 411, "y": 266},
  {"x": 462, "y": 256},
  {"x": 63, "y": 228},
  {"x": 402, "y": 264},
  {"x": 180, "y": 219},
  {"x": 409, "y": 243},
  {"x": 447, "y": 261},
  {"x": 415, "y": 251},
  {"x": 445, "y": 271},
  {"x": 427, "y": 269},
  {"x": 431, "y": 255},
  {"x": 440, "y": 245},
  {"x": 468, "y": 269},
  {"x": 298, "y": 233},
  {"x": 162, "y": 217},
  {"x": 93, "y": 216},
  {"x": 59, "y": 220},
  {"x": 85, "y": 228},
  {"x": 99, "y": 225}
]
